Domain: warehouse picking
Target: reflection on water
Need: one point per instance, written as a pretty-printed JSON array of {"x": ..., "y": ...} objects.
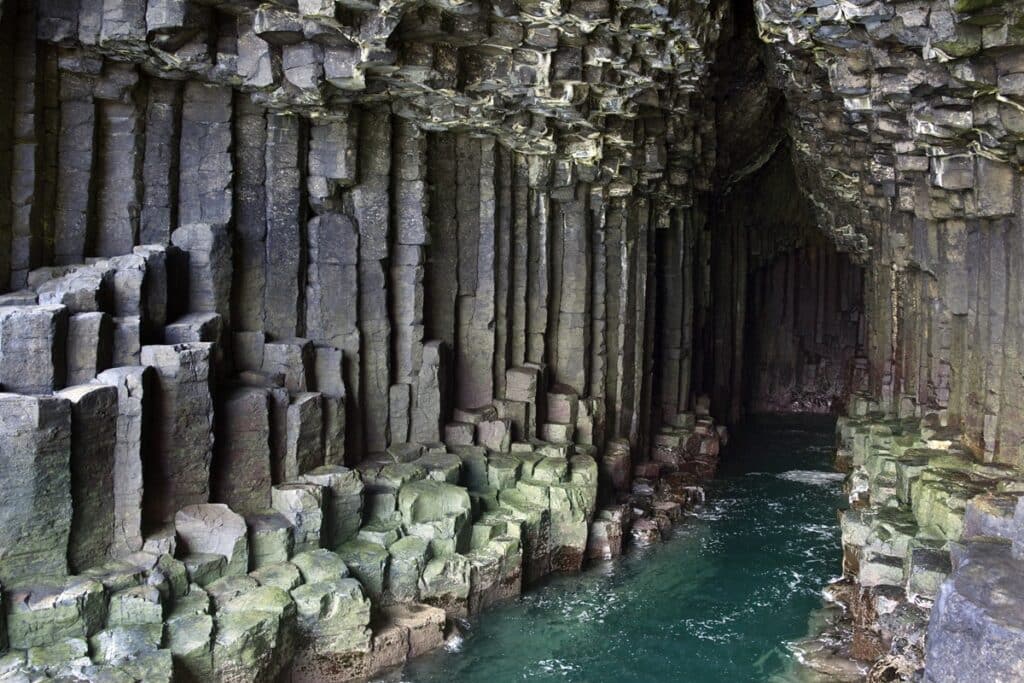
[{"x": 718, "y": 602}]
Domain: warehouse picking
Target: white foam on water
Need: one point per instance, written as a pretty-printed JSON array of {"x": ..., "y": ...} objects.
[
  {"x": 813, "y": 477},
  {"x": 454, "y": 643}
]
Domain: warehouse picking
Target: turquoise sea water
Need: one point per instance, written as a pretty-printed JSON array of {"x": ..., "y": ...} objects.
[{"x": 717, "y": 602}]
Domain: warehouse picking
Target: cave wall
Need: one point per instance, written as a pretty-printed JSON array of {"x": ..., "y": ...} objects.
[
  {"x": 306, "y": 251},
  {"x": 323, "y": 324},
  {"x": 340, "y": 219},
  {"x": 906, "y": 124}
]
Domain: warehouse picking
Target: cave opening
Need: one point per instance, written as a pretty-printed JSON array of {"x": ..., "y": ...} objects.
[{"x": 758, "y": 308}]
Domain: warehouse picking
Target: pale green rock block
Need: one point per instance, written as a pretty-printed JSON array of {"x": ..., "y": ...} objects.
[
  {"x": 271, "y": 538},
  {"x": 405, "y": 452},
  {"x": 138, "y": 605},
  {"x": 227, "y": 588},
  {"x": 444, "y": 467},
  {"x": 482, "y": 532},
  {"x": 551, "y": 469},
  {"x": 115, "y": 645},
  {"x": 204, "y": 568},
  {"x": 44, "y": 614},
  {"x": 534, "y": 491},
  {"x": 214, "y": 528},
  {"x": 398, "y": 475},
  {"x": 333, "y": 616},
  {"x": 939, "y": 502},
  {"x": 151, "y": 667},
  {"x": 445, "y": 583},
  {"x": 245, "y": 647},
  {"x": 302, "y": 505},
  {"x": 277, "y": 603},
  {"x": 367, "y": 562},
  {"x": 892, "y": 531},
  {"x": 320, "y": 565},
  {"x": 436, "y": 512},
  {"x": 283, "y": 575},
  {"x": 189, "y": 638},
  {"x": 880, "y": 570},
  {"x": 855, "y": 525},
  {"x": 502, "y": 471},
  {"x": 117, "y": 574},
  {"x": 924, "y": 571},
  {"x": 195, "y": 601},
  {"x": 342, "y": 505},
  {"x": 382, "y": 531},
  {"x": 408, "y": 559},
  {"x": 57, "y": 655}
]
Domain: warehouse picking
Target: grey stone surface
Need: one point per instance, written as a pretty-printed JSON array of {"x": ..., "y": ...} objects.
[
  {"x": 32, "y": 348},
  {"x": 94, "y": 413},
  {"x": 182, "y": 439},
  {"x": 36, "y": 511}
]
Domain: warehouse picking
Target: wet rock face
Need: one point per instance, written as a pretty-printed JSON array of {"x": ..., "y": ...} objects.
[{"x": 932, "y": 572}]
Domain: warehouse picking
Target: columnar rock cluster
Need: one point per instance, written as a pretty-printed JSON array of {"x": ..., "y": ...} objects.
[
  {"x": 190, "y": 516},
  {"x": 319, "y": 317},
  {"x": 906, "y": 120},
  {"x": 932, "y": 554},
  {"x": 325, "y": 325}
]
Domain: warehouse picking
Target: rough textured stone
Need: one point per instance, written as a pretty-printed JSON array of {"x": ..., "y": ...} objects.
[
  {"x": 94, "y": 409},
  {"x": 36, "y": 511},
  {"x": 214, "y": 529},
  {"x": 182, "y": 438}
]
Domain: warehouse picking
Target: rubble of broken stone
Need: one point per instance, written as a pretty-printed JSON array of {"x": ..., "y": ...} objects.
[
  {"x": 185, "y": 517},
  {"x": 933, "y": 556}
]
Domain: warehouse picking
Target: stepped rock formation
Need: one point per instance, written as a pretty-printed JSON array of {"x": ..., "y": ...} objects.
[{"x": 325, "y": 322}]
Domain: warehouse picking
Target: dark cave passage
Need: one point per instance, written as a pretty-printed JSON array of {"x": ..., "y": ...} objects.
[{"x": 757, "y": 308}]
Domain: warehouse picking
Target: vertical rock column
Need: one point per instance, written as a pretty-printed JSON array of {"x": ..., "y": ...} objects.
[
  {"x": 7, "y": 47},
  {"x": 371, "y": 201},
  {"x": 25, "y": 252},
  {"x": 205, "y": 164},
  {"x": 160, "y": 168},
  {"x": 183, "y": 429},
  {"x": 32, "y": 352},
  {"x": 407, "y": 272},
  {"x": 241, "y": 468},
  {"x": 119, "y": 163},
  {"x": 135, "y": 404},
  {"x": 475, "y": 342},
  {"x": 94, "y": 409},
  {"x": 250, "y": 230},
  {"x": 77, "y": 149},
  {"x": 285, "y": 241},
  {"x": 332, "y": 277},
  {"x": 35, "y": 508}
]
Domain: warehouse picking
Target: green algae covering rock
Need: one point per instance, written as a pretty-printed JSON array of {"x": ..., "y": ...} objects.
[
  {"x": 437, "y": 512},
  {"x": 44, "y": 614},
  {"x": 271, "y": 539},
  {"x": 283, "y": 575},
  {"x": 333, "y": 617},
  {"x": 367, "y": 562},
  {"x": 320, "y": 565},
  {"x": 35, "y": 518},
  {"x": 408, "y": 559}
]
